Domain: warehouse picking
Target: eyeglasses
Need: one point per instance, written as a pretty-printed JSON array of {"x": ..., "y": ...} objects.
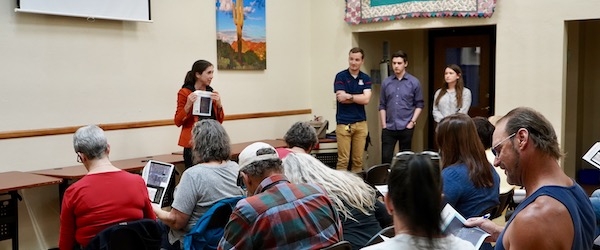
[
  {"x": 405, "y": 155},
  {"x": 79, "y": 159},
  {"x": 496, "y": 152},
  {"x": 240, "y": 181}
]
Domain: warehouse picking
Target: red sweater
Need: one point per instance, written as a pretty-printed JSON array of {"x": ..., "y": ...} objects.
[
  {"x": 186, "y": 120},
  {"x": 98, "y": 201}
]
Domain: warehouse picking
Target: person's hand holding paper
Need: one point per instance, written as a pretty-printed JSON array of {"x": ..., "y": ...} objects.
[
  {"x": 203, "y": 103},
  {"x": 216, "y": 98},
  {"x": 486, "y": 225}
]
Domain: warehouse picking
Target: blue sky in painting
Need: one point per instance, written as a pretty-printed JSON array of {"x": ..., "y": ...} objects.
[{"x": 254, "y": 21}]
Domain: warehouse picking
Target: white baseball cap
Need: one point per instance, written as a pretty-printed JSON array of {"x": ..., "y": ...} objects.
[{"x": 250, "y": 154}]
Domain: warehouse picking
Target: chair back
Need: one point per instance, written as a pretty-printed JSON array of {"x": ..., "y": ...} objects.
[
  {"x": 377, "y": 238},
  {"x": 342, "y": 245},
  {"x": 378, "y": 174},
  {"x": 141, "y": 234},
  {"x": 505, "y": 199},
  {"x": 490, "y": 211},
  {"x": 209, "y": 229}
]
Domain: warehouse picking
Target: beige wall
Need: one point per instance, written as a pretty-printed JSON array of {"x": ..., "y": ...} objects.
[
  {"x": 530, "y": 50},
  {"x": 62, "y": 71}
]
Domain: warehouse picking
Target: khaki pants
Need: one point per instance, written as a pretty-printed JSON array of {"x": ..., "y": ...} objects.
[{"x": 351, "y": 137}]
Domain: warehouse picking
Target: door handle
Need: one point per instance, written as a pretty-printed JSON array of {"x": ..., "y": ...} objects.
[{"x": 486, "y": 108}]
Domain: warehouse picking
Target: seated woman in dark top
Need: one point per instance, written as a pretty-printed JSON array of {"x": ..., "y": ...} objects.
[
  {"x": 471, "y": 185},
  {"x": 354, "y": 199}
]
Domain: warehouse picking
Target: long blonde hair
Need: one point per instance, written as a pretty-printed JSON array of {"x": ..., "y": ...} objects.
[{"x": 344, "y": 188}]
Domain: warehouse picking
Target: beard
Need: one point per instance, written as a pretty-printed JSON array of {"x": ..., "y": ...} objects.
[{"x": 516, "y": 168}]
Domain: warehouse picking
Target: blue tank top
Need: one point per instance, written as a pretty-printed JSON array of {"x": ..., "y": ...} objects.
[{"x": 580, "y": 209}]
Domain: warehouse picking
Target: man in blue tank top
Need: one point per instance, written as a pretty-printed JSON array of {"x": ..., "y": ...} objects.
[{"x": 556, "y": 213}]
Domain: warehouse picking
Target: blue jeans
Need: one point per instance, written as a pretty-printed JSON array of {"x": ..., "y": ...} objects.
[{"x": 595, "y": 200}]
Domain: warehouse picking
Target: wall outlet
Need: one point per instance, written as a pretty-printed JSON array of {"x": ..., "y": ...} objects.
[{"x": 334, "y": 104}]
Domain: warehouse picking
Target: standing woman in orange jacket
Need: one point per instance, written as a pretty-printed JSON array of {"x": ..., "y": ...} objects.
[{"x": 198, "y": 78}]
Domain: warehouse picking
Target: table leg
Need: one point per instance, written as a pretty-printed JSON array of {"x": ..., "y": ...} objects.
[{"x": 14, "y": 199}]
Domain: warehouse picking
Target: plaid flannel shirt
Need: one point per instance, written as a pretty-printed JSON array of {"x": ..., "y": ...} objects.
[{"x": 282, "y": 215}]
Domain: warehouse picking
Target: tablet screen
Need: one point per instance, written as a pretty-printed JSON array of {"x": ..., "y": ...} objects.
[{"x": 157, "y": 176}]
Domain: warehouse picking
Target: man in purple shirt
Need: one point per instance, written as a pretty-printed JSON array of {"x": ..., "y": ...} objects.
[{"x": 400, "y": 104}]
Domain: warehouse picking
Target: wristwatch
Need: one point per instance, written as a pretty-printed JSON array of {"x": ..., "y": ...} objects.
[{"x": 414, "y": 122}]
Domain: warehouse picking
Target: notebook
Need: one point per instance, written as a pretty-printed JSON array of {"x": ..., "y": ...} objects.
[
  {"x": 157, "y": 174},
  {"x": 593, "y": 155}
]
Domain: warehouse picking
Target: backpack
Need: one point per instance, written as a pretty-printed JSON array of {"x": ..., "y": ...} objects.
[{"x": 209, "y": 229}]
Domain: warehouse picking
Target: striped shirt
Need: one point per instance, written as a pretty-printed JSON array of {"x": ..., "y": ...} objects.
[{"x": 282, "y": 215}]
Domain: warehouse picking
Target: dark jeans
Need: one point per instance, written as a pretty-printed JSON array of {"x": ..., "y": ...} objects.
[
  {"x": 165, "y": 238},
  {"x": 187, "y": 158},
  {"x": 389, "y": 138}
]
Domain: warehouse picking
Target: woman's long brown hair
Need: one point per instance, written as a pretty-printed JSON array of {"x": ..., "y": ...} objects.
[
  {"x": 460, "y": 85},
  {"x": 458, "y": 142}
]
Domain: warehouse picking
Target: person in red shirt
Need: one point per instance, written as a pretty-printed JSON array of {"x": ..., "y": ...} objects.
[
  {"x": 105, "y": 196},
  {"x": 198, "y": 78}
]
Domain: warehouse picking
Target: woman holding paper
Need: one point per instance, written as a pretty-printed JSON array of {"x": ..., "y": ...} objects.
[{"x": 196, "y": 84}]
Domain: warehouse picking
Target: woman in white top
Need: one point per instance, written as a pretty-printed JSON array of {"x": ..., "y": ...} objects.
[
  {"x": 453, "y": 97},
  {"x": 414, "y": 200}
]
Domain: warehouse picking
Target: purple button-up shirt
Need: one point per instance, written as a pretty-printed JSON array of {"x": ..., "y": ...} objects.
[{"x": 399, "y": 98}]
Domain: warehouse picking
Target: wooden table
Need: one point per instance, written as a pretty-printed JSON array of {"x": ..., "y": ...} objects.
[
  {"x": 237, "y": 148},
  {"x": 11, "y": 182},
  {"x": 73, "y": 173}
]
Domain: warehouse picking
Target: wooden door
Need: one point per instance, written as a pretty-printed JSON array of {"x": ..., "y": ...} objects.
[{"x": 473, "y": 49}]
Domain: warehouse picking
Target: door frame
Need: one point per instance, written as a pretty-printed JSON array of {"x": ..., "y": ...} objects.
[{"x": 433, "y": 34}]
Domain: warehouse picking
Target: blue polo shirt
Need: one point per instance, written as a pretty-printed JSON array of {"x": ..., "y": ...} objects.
[{"x": 353, "y": 112}]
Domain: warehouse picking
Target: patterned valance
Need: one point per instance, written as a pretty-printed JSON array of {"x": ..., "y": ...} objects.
[{"x": 368, "y": 11}]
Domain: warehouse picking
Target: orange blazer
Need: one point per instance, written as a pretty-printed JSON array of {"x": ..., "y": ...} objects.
[{"x": 186, "y": 120}]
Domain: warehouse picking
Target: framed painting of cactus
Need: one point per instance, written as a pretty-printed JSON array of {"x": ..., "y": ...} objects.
[{"x": 241, "y": 35}]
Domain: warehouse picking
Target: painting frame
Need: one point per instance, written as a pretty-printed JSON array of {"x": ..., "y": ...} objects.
[{"x": 241, "y": 35}]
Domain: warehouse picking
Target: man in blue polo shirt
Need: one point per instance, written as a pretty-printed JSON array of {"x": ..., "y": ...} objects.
[
  {"x": 352, "y": 89},
  {"x": 400, "y": 104}
]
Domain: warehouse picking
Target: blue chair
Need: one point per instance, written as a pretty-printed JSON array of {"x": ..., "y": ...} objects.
[{"x": 209, "y": 229}]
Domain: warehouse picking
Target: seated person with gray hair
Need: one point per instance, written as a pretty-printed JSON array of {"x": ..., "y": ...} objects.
[
  {"x": 300, "y": 138},
  {"x": 278, "y": 214},
  {"x": 212, "y": 178},
  {"x": 104, "y": 197}
]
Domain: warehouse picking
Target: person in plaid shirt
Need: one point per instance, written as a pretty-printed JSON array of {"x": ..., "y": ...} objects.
[{"x": 278, "y": 214}]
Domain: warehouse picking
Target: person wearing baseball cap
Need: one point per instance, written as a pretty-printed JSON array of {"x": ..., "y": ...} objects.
[{"x": 277, "y": 213}]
